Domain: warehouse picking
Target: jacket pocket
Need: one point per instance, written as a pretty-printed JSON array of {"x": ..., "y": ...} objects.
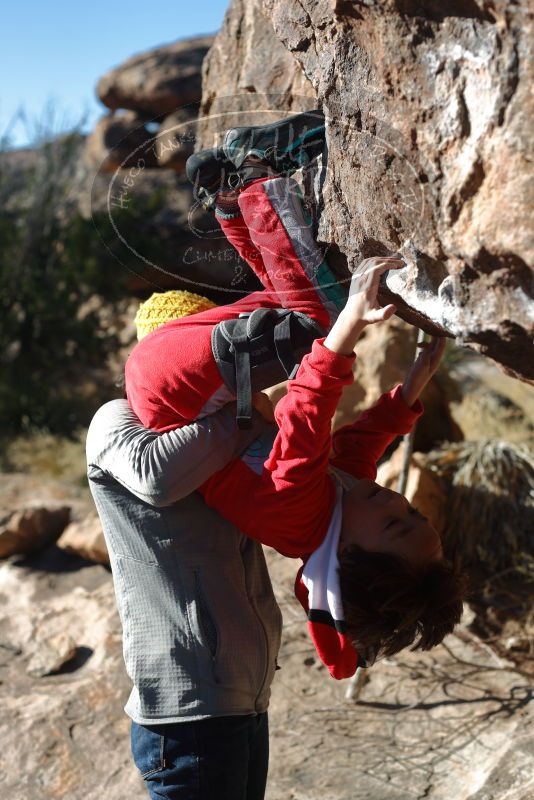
[{"x": 208, "y": 628}]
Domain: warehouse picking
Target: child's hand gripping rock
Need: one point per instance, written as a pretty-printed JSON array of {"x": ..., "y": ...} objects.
[
  {"x": 362, "y": 306},
  {"x": 423, "y": 368}
]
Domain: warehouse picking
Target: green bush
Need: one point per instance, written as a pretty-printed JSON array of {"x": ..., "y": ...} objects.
[{"x": 56, "y": 271}]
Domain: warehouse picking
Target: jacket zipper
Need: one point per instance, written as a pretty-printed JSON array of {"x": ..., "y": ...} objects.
[
  {"x": 267, "y": 651},
  {"x": 265, "y": 637}
]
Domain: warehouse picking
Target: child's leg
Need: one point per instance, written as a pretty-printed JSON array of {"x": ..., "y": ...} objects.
[
  {"x": 282, "y": 232},
  {"x": 237, "y": 233},
  {"x": 172, "y": 377},
  {"x": 270, "y": 229},
  {"x": 275, "y": 236}
]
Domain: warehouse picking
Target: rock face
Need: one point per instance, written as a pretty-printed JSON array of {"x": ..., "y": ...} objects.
[
  {"x": 248, "y": 70},
  {"x": 428, "y": 144}
]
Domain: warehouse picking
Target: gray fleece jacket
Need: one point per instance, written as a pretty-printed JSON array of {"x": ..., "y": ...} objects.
[{"x": 201, "y": 627}]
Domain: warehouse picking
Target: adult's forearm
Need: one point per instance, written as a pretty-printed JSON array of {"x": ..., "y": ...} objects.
[{"x": 162, "y": 468}]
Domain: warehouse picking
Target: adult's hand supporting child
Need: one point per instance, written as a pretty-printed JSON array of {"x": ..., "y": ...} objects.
[
  {"x": 361, "y": 308},
  {"x": 263, "y": 405},
  {"x": 422, "y": 369}
]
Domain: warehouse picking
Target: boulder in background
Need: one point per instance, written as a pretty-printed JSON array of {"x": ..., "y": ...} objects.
[
  {"x": 157, "y": 81},
  {"x": 29, "y": 529},
  {"x": 85, "y": 538}
]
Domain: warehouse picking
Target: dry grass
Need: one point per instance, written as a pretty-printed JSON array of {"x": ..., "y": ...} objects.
[
  {"x": 47, "y": 456},
  {"x": 490, "y": 485},
  {"x": 490, "y": 528}
]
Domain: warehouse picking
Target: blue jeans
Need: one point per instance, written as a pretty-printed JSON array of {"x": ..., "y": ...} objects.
[{"x": 220, "y": 758}]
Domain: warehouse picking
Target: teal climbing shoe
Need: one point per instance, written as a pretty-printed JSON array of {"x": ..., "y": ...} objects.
[
  {"x": 287, "y": 144},
  {"x": 210, "y": 173}
]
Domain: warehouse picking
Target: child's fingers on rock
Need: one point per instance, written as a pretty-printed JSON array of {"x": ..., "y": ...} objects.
[
  {"x": 438, "y": 344},
  {"x": 374, "y": 261},
  {"x": 358, "y": 283},
  {"x": 393, "y": 262},
  {"x": 439, "y": 348},
  {"x": 381, "y": 267},
  {"x": 381, "y": 314},
  {"x": 364, "y": 265}
]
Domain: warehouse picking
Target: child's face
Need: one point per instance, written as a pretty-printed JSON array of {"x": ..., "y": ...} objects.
[{"x": 381, "y": 520}]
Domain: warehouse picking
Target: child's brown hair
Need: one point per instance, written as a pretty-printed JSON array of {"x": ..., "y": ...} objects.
[{"x": 389, "y": 604}]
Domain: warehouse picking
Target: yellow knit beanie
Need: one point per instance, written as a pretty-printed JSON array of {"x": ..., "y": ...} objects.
[{"x": 163, "y": 307}]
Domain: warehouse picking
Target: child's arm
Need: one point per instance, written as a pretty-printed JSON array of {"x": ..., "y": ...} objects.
[
  {"x": 289, "y": 505},
  {"x": 358, "y": 446}
]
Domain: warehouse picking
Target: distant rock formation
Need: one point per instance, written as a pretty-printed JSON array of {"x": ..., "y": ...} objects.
[
  {"x": 29, "y": 529},
  {"x": 162, "y": 87},
  {"x": 155, "y": 82},
  {"x": 137, "y": 152},
  {"x": 428, "y": 139},
  {"x": 85, "y": 539},
  {"x": 143, "y": 145},
  {"x": 34, "y": 512}
]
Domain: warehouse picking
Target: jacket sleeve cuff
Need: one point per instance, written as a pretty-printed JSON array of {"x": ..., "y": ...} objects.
[
  {"x": 406, "y": 414},
  {"x": 330, "y": 363}
]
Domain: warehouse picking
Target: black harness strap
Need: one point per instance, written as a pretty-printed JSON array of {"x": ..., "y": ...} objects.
[
  {"x": 242, "y": 382},
  {"x": 284, "y": 347},
  {"x": 260, "y": 351},
  {"x": 284, "y": 352}
]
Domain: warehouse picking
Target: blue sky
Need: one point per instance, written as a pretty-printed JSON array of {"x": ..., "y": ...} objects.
[{"x": 54, "y": 52}]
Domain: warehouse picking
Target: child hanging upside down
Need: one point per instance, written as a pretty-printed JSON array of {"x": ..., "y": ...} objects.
[{"x": 374, "y": 578}]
